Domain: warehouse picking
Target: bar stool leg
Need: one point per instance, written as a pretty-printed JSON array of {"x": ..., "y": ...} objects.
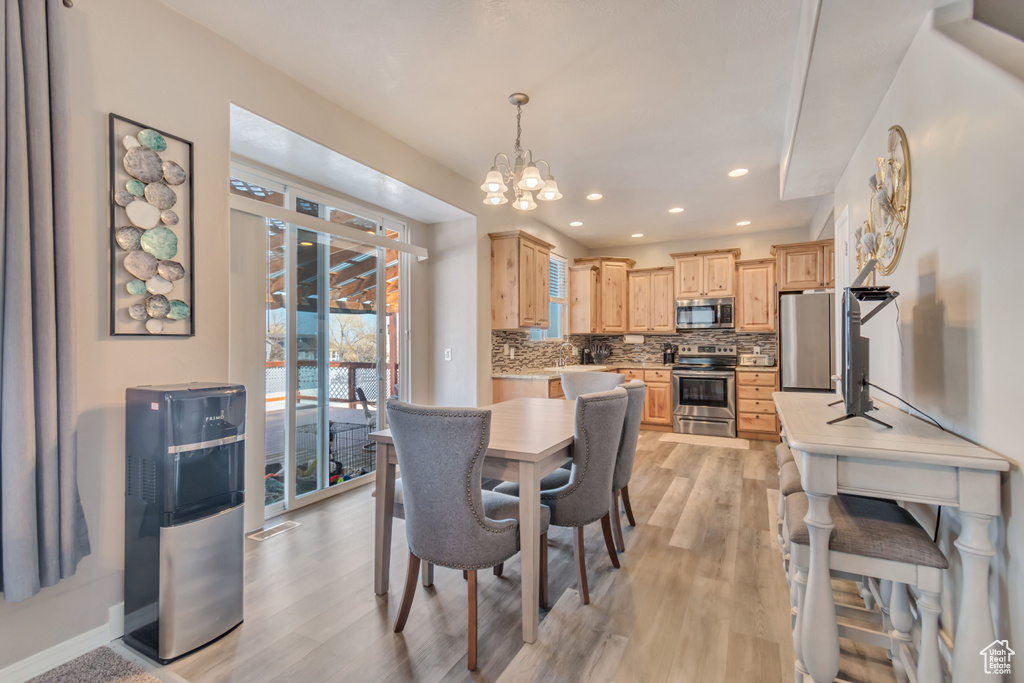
[
  {"x": 885, "y": 595},
  {"x": 865, "y": 593},
  {"x": 902, "y": 623},
  {"x": 929, "y": 668},
  {"x": 800, "y": 584}
]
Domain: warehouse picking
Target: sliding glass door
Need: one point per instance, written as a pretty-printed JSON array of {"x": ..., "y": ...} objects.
[{"x": 334, "y": 339}]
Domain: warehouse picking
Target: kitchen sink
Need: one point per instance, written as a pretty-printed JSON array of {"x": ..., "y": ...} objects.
[{"x": 578, "y": 368}]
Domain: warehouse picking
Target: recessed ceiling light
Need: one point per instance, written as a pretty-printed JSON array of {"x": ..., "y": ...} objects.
[
  {"x": 594, "y": 196},
  {"x": 737, "y": 172},
  {"x": 743, "y": 223},
  {"x": 576, "y": 224},
  {"x": 637, "y": 234},
  {"x": 676, "y": 209}
]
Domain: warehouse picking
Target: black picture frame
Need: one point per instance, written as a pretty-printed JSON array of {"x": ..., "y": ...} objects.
[{"x": 121, "y": 324}]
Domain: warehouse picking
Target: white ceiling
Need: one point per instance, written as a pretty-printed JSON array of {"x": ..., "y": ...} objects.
[{"x": 650, "y": 102}]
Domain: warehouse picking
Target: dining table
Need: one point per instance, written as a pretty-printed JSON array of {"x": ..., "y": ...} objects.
[
  {"x": 530, "y": 438},
  {"x": 900, "y": 457}
]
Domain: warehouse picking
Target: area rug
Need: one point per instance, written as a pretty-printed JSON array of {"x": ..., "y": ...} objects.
[
  {"x": 102, "y": 665},
  {"x": 701, "y": 440}
]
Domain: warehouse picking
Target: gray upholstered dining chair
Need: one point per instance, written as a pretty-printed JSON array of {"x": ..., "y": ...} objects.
[
  {"x": 575, "y": 384},
  {"x": 585, "y": 496},
  {"x": 449, "y": 520},
  {"x": 637, "y": 391}
]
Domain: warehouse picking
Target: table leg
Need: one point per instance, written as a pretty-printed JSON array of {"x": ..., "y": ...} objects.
[
  {"x": 385, "y": 511},
  {"x": 529, "y": 543},
  {"x": 820, "y": 637},
  {"x": 974, "y": 623}
]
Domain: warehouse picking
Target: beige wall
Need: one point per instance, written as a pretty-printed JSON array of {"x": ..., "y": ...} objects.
[
  {"x": 751, "y": 245},
  {"x": 960, "y": 325}
]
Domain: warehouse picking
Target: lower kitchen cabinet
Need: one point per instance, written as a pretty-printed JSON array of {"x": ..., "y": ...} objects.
[
  {"x": 508, "y": 388},
  {"x": 755, "y": 409},
  {"x": 658, "y": 402}
]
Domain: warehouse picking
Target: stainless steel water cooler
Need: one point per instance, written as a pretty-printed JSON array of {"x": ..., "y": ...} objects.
[{"x": 184, "y": 493}]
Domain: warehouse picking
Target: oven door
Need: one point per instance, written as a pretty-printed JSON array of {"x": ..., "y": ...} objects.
[{"x": 704, "y": 393}]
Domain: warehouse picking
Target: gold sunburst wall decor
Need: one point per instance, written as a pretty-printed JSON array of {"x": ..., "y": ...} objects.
[{"x": 882, "y": 235}]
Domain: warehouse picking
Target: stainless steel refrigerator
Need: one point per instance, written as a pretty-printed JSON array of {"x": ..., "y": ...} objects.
[{"x": 807, "y": 341}]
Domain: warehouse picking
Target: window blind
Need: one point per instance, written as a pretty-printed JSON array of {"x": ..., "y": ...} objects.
[{"x": 558, "y": 277}]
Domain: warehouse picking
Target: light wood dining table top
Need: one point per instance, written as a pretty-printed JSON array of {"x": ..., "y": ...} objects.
[{"x": 530, "y": 428}]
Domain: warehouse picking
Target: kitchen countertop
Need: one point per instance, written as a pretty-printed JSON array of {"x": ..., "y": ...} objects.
[{"x": 540, "y": 373}]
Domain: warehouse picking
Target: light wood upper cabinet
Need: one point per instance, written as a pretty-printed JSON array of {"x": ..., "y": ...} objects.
[
  {"x": 805, "y": 265},
  {"x": 609, "y": 296},
  {"x": 651, "y": 302},
  {"x": 584, "y": 300},
  {"x": 718, "y": 274},
  {"x": 705, "y": 274},
  {"x": 830, "y": 264},
  {"x": 755, "y": 296},
  {"x": 519, "y": 281},
  {"x": 639, "y": 301},
  {"x": 663, "y": 305},
  {"x": 689, "y": 278},
  {"x": 613, "y": 297}
]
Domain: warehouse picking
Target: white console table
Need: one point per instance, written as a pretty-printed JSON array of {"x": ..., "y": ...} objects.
[{"x": 914, "y": 461}]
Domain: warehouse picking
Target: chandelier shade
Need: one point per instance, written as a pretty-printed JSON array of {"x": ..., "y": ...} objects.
[{"x": 522, "y": 174}]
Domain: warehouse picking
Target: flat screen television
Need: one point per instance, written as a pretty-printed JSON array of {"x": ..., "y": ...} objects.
[{"x": 857, "y": 348}]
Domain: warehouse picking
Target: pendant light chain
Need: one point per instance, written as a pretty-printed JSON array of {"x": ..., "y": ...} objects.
[{"x": 519, "y": 129}]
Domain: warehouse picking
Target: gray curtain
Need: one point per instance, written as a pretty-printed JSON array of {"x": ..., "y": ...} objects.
[{"x": 42, "y": 526}]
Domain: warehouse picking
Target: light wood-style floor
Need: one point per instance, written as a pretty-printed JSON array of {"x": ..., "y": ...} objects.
[{"x": 700, "y": 597}]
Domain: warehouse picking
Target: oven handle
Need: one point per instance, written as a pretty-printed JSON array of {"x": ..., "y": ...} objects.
[{"x": 709, "y": 374}]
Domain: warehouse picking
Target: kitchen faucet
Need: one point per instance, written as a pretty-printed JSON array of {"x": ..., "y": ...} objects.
[{"x": 561, "y": 358}]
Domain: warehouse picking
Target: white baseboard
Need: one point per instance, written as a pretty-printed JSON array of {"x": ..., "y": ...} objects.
[{"x": 61, "y": 653}]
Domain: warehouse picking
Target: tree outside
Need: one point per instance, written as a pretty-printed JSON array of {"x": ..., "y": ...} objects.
[{"x": 353, "y": 337}]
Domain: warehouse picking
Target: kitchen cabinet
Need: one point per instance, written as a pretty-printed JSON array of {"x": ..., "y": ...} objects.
[
  {"x": 755, "y": 409},
  {"x": 651, "y": 300},
  {"x": 520, "y": 295},
  {"x": 705, "y": 274},
  {"x": 830, "y": 264},
  {"x": 584, "y": 299},
  {"x": 608, "y": 296},
  {"x": 755, "y": 295},
  {"x": 658, "y": 401},
  {"x": 805, "y": 265},
  {"x": 506, "y": 389}
]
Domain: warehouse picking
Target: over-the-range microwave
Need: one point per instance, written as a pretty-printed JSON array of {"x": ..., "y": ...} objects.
[{"x": 702, "y": 314}]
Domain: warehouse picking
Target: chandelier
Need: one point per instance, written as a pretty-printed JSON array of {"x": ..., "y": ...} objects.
[{"x": 523, "y": 175}]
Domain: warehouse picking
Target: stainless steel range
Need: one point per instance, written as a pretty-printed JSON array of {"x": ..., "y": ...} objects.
[{"x": 704, "y": 390}]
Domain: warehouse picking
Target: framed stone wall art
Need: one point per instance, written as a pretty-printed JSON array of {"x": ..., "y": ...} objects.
[{"x": 152, "y": 283}]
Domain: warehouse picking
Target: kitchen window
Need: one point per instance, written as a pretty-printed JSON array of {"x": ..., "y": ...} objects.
[{"x": 558, "y": 286}]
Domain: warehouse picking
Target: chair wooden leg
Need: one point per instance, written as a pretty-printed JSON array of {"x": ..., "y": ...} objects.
[
  {"x": 606, "y": 527},
  {"x": 471, "y": 650},
  {"x": 620, "y": 545},
  {"x": 581, "y": 565},
  {"x": 410, "y": 590},
  {"x": 625, "y": 504},
  {"x": 544, "y": 571},
  {"x": 427, "y": 574},
  {"x": 499, "y": 568}
]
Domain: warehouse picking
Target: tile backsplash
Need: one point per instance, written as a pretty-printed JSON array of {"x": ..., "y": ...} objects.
[{"x": 539, "y": 354}]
